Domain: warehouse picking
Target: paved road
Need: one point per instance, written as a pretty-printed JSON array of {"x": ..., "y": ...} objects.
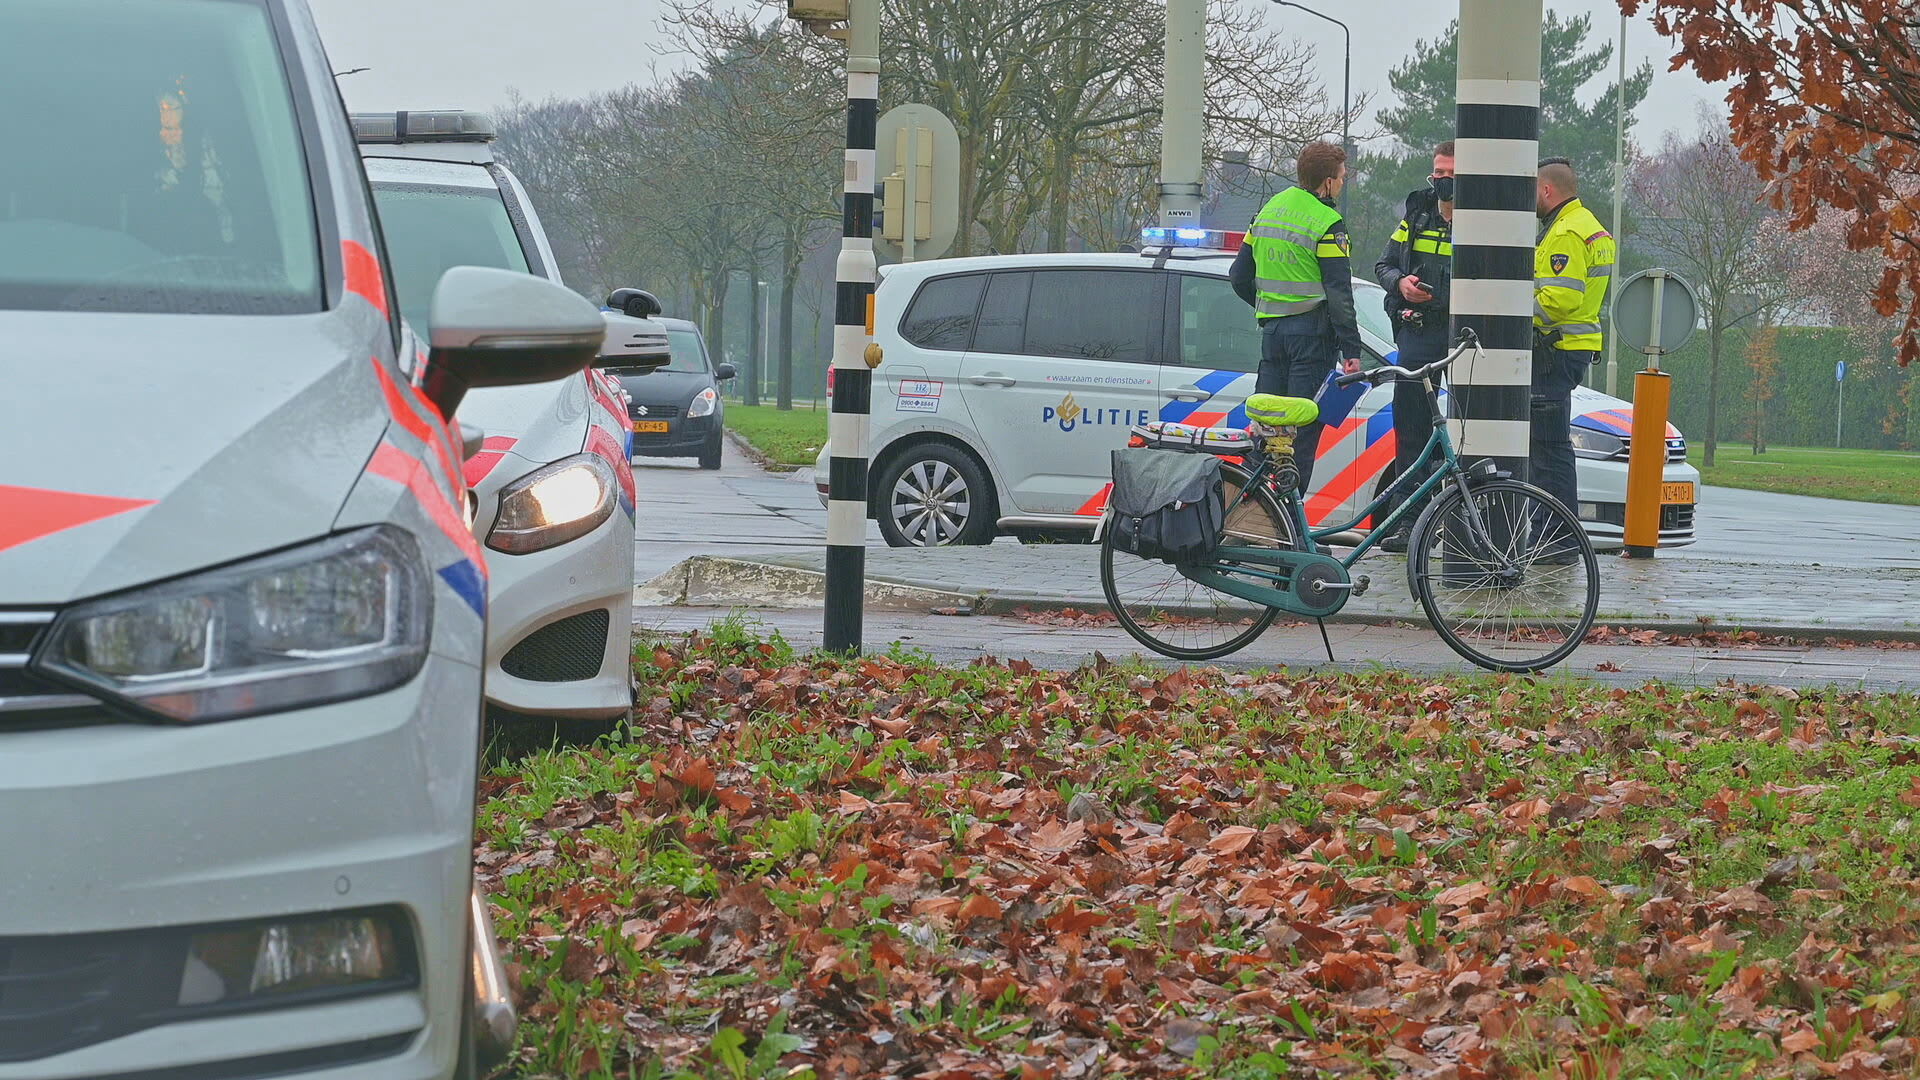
[{"x": 1759, "y": 526}]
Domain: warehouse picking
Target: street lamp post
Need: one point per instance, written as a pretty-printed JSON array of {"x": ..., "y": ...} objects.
[{"x": 1346, "y": 89}]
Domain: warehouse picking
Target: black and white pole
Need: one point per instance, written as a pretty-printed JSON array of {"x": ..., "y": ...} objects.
[
  {"x": 852, "y": 336},
  {"x": 1497, "y": 154}
]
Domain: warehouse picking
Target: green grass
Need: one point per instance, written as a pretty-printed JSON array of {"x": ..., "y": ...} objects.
[
  {"x": 1882, "y": 476},
  {"x": 1287, "y": 876},
  {"x": 788, "y": 438}
]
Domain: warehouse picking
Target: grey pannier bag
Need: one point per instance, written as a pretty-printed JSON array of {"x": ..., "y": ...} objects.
[{"x": 1167, "y": 506}]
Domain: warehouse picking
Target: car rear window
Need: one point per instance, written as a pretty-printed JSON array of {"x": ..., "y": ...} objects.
[
  {"x": 430, "y": 230},
  {"x": 152, "y": 162},
  {"x": 941, "y": 316},
  {"x": 1093, "y": 314}
]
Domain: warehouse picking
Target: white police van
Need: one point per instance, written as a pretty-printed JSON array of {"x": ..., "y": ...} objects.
[{"x": 1009, "y": 378}]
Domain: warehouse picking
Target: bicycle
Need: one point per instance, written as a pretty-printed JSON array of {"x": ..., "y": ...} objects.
[{"x": 1504, "y": 571}]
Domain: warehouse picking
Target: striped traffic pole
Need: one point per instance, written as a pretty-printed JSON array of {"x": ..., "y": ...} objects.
[
  {"x": 852, "y": 336},
  {"x": 1497, "y": 151}
]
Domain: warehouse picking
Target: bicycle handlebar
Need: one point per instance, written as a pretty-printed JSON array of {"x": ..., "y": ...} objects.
[{"x": 1468, "y": 340}]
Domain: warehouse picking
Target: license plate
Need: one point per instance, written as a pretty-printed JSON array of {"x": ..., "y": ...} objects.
[
  {"x": 659, "y": 427},
  {"x": 1677, "y": 494}
]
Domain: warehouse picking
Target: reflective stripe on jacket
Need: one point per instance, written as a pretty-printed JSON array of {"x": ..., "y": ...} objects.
[
  {"x": 1289, "y": 237},
  {"x": 1572, "y": 267}
]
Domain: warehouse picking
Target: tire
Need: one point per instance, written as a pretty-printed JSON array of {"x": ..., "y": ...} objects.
[
  {"x": 710, "y": 454},
  {"x": 934, "y": 495},
  {"x": 1176, "y": 616},
  {"x": 1463, "y": 584}
]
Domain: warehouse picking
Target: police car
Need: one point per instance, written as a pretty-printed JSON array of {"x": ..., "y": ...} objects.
[
  {"x": 1008, "y": 379},
  {"x": 553, "y": 487},
  {"x": 240, "y": 662}
]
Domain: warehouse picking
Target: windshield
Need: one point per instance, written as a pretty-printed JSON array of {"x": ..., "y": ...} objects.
[
  {"x": 689, "y": 352},
  {"x": 431, "y": 230},
  {"x": 1370, "y": 307},
  {"x": 152, "y": 161}
]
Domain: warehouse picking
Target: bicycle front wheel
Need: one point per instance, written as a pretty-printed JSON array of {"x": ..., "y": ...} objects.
[
  {"x": 1176, "y": 616},
  {"x": 1507, "y": 576}
]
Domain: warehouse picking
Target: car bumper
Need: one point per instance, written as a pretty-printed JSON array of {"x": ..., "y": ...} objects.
[
  {"x": 684, "y": 437},
  {"x": 128, "y": 830},
  {"x": 1603, "y": 503},
  {"x": 560, "y": 626}
]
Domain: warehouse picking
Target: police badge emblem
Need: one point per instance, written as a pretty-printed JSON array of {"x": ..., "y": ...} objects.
[{"x": 1559, "y": 263}]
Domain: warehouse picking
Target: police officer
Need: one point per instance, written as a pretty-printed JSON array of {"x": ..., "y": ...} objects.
[
  {"x": 1295, "y": 271},
  {"x": 1572, "y": 267},
  {"x": 1416, "y": 270}
]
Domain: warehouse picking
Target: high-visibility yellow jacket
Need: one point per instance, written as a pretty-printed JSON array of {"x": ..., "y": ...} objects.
[{"x": 1572, "y": 267}]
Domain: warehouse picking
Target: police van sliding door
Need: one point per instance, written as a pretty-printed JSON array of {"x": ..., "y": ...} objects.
[{"x": 1063, "y": 363}]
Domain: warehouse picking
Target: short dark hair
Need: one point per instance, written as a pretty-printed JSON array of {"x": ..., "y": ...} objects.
[
  {"x": 1319, "y": 162},
  {"x": 1559, "y": 172},
  {"x": 1445, "y": 149}
]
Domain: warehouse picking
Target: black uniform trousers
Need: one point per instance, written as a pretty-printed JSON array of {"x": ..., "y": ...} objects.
[
  {"x": 1297, "y": 355},
  {"x": 1412, "y": 413},
  {"x": 1551, "y": 466}
]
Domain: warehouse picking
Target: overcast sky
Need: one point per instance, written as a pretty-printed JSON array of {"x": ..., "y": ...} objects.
[{"x": 470, "y": 53}]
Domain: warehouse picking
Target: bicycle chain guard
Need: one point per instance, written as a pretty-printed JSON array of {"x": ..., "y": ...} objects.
[{"x": 1297, "y": 581}]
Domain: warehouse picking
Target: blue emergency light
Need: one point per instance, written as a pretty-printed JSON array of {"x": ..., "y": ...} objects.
[{"x": 1210, "y": 239}]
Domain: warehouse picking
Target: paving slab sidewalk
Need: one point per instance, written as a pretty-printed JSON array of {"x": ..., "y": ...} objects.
[
  {"x": 1359, "y": 647},
  {"x": 1668, "y": 594}
]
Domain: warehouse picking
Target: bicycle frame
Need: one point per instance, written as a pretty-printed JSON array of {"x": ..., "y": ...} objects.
[{"x": 1439, "y": 444}]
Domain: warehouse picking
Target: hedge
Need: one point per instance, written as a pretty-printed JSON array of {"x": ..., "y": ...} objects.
[{"x": 1802, "y": 410}]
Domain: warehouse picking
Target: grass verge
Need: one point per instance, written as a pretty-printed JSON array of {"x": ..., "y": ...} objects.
[
  {"x": 793, "y": 437},
  {"x": 1882, "y": 476},
  {"x": 884, "y": 867}
]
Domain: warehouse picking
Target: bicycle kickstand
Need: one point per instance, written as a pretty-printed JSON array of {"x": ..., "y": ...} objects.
[{"x": 1327, "y": 641}]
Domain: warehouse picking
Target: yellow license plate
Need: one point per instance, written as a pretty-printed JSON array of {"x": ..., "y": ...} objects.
[
  {"x": 1679, "y": 494},
  {"x": 659, "y": 427}
]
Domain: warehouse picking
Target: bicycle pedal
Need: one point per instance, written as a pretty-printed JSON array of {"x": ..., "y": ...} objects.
[{"x": 1360, "y": 585}]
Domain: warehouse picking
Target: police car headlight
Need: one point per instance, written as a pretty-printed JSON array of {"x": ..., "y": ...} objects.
[
  {"x": 344, "y": 618},
  {"x": 703, "y": 403},
  {"x": 1588, "y": 443},
  {"x": 553, "y": 504}
]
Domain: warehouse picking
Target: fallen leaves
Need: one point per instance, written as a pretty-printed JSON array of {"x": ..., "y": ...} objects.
[{"x": 907, "y": 870}]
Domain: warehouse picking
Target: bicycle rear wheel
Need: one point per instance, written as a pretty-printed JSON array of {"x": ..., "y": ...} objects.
[
  {"x": 1176, "y": 616},
  {"x": 1509, "y": 579}
]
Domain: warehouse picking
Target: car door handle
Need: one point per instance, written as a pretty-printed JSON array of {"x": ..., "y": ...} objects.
[
  {"x": 1187, "y": 393},
  {"x": 992, "y": 380}
]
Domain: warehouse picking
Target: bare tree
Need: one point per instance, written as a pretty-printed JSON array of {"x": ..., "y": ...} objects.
[{"x": 1706, "y": 210}]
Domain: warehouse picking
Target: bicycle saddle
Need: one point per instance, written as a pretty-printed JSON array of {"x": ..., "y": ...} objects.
[{"x": 1276, "y": 411}]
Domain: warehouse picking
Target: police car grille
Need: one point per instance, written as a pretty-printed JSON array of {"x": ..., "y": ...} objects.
[
  {"x": 1676, "y": 449},
  {"x": 25, "y": 698},
  {"x": 60, "y": 993},
  {"x": 644, "y": 411},
  {"x": 566, "y": 651}
]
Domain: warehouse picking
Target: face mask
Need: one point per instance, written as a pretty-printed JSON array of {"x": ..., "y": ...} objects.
[{"x": 1443, "y": 187}]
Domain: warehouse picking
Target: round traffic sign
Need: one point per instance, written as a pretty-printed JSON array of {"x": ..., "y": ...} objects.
[{"x": 1647, "y": 293}]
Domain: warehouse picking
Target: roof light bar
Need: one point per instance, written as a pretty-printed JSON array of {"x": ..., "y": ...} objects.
[
  {"x": 1210, "y": 239},
  {"x": 432, "y": 125}
]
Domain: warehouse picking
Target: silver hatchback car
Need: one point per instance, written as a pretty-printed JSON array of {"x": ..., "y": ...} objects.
[{"x": 242, "y": 611}]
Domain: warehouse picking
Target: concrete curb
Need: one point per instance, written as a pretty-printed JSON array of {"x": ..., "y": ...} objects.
[{"x": 710, "y": 581}]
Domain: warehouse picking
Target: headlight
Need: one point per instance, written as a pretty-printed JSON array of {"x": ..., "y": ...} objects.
[
  {"x": 1589, "y": 443},
  {"x": 343, "y": 618},
  {"x": 703, "y": 403},
  {"x": 552, "y": 505}
]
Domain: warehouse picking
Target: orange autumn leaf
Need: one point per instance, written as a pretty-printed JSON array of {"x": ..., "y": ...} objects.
[{"x": 980, "y": 906}]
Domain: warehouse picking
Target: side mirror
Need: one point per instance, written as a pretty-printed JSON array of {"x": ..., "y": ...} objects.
[
  {"x": 638, "y": 303},
  {"x": 725, "y": 372},
  {"x": 633, "y": 346},
  {"x": 501, "y": 328}
]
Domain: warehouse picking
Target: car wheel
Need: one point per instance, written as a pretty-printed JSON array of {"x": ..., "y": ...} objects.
[
  {"x": 935, "y": 496},
  {"x": 710, "y": 454}
]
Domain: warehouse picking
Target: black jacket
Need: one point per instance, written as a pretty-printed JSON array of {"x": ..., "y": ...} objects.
[{"x": 1422, "y": 214}]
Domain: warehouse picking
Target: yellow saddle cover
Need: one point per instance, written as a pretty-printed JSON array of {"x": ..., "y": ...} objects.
[{"x": 1276, "y": 411}]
